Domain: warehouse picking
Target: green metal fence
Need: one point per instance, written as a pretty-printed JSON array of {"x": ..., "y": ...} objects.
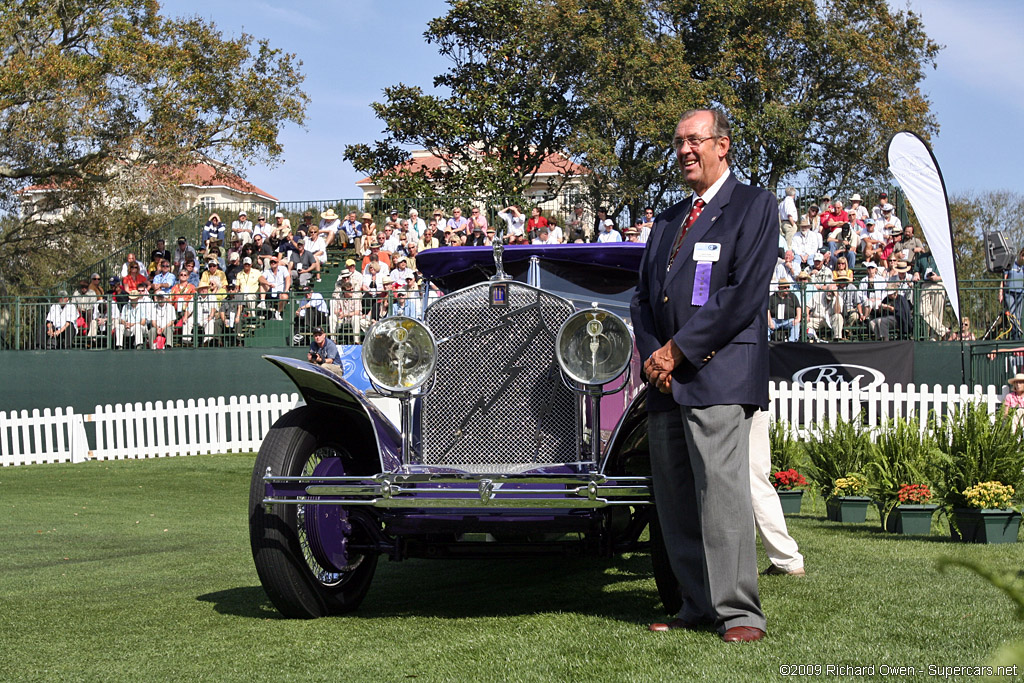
[
  {"x": 199, "y": 320},
  {"x": 23, "y": 320}
]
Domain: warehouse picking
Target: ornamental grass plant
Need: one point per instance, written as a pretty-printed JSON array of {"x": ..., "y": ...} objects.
[
  {"x": 903, "y": 455},
  {"x": 787, "y": 453},
  {"x": 836, "y": 450}
]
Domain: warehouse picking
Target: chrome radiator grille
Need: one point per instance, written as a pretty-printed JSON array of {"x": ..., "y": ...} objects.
[{"x": 498, "y": 402}]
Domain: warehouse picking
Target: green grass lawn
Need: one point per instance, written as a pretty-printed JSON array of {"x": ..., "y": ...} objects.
[{"x": 141, "y": 570}]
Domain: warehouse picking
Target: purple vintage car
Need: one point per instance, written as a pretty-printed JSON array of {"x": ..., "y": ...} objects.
[{"x": 522, "y": 430}]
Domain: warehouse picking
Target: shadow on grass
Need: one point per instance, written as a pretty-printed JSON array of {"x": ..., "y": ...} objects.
[
  {"x": 873, "y": 530},
  {"x": 617, "y": 588},
  {"x": 244, "y": 601}
]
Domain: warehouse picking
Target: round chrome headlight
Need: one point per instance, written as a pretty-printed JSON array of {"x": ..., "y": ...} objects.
[
  {"x": 399, "y": 354},
  {"x": 594, "y": 347}
]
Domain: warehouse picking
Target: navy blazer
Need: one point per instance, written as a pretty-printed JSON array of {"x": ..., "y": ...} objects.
[{"x": 725, "y": 341}]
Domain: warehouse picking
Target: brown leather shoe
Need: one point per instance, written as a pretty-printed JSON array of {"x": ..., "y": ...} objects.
[
  {"x": 673, "y": 625},
  {"x": 742, "y": 634},
  {"x": 776, "y": 571}
]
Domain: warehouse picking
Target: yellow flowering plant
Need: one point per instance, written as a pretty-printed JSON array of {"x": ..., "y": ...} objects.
[
  {"x": 850, "y": 485},
  {"x": 989, "y": 495}
]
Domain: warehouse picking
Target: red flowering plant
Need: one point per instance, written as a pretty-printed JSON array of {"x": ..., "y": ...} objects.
[
  {"x": 788, "y": 480},
  {"x": 914, "y": 494}
]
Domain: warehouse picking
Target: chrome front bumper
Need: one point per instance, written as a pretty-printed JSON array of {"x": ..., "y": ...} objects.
[{"x": 459, "y": 491}]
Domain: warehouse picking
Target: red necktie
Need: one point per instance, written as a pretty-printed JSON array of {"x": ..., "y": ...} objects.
[{"x": 698, "y": 206}]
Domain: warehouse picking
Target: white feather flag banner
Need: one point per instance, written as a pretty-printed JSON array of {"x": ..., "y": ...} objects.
[{"x": 912, "y": 163}]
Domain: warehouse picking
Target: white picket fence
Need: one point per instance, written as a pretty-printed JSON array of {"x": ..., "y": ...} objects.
[
  {"x": 29, "y": 437},
  {"x": 142, "y": 430},
  {"x": 806, "y": 406},
  {"x": 239, "y": 423}
]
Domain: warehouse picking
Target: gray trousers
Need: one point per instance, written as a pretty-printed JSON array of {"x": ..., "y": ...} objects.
[{"x": 701, "y": 474}]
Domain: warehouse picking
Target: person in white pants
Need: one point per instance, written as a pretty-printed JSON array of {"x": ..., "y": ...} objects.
[{"x": 771, "y": 523}]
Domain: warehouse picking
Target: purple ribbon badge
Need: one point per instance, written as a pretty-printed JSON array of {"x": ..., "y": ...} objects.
[{"x": 701, "y": 284}]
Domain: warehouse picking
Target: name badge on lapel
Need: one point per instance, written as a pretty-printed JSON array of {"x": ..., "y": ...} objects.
[
  {"x": 704, "y": 253},
  {"x": 707, "y": 251}
]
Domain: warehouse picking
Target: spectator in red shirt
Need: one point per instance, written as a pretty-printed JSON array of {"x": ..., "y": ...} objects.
[
  {"x": 834, "y": 217},
  {"x": 535, "y": 223},
  {"x": 135, "y": 280}
]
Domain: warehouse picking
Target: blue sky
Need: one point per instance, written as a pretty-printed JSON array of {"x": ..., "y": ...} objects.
[{"x": 352, "y": 50}]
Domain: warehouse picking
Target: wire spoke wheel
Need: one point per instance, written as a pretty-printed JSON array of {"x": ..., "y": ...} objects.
[{"x": 302, "y": 552}]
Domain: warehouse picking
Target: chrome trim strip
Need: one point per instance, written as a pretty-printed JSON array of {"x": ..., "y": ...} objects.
[
  {"x": 449, "y": 478},
  {"x": 486, "y": 491},
  {"x": 460, "y": 503},
  {"x": 463, "y": 491}
]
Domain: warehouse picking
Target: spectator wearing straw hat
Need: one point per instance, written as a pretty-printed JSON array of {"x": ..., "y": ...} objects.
[
  {"x": 1014, "y": 400},
  {"x": 330, "y": 228}
]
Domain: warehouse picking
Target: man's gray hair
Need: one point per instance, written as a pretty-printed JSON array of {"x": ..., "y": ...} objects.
[
  {"x": 720, "y": 128},
  {"x": 791, "y": 191}
]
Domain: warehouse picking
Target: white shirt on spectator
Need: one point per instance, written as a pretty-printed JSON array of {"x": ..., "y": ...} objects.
[
  {"x": 133, "y": 314},
  {"x": 515, "y": 225},
  {"x": 787, "y": 210},
  {"x": 60, "y": 315},
  {"x": 242, "y": 230},
  {"x": 330, "y": 226},
  {"x": 163, "y": 314},
  {"x": 315, "y": 300},
  {"x": 861, "y": 213},
  {"x": 418, "y": 225},
  {"x": 318, "y": 247},
  {"x": 264, "y": 230},
  {"x": 805, "y": 245},
  {"x": 277, "y": 277},
  {"x": 383, "y": 272}
]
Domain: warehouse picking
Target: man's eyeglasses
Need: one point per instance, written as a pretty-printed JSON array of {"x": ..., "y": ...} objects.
[{"x": 693, "y": 142}]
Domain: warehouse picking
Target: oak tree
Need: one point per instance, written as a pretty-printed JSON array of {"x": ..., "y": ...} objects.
[{"x": 98, "y": 93}]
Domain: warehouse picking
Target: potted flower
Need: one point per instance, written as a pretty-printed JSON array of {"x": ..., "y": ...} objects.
[
  {"x": 901, "y": 459},
  {"x": 976, "y": 446},
  {"x": 989, "y": 516},
  {"x": 848, "y": 500},
  {"x": 789, "y": 485},
  {"x": 912, "y": 515},
  {"x": 835, "y": 448}
]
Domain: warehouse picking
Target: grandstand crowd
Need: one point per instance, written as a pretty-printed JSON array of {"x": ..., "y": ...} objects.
[{"x": 844, "y": 271}]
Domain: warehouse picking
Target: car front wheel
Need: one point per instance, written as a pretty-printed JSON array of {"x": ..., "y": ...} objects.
[{"x": 313, "y": 560}]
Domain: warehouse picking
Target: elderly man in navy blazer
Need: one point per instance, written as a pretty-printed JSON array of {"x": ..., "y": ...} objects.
[{"x": 698, "y": 314}]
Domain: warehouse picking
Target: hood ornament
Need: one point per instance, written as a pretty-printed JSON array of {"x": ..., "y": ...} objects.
[{"x": 499, "y": 249}]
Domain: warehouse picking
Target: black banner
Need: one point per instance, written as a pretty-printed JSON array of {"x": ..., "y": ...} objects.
[{"x": 873, "y": 363}]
